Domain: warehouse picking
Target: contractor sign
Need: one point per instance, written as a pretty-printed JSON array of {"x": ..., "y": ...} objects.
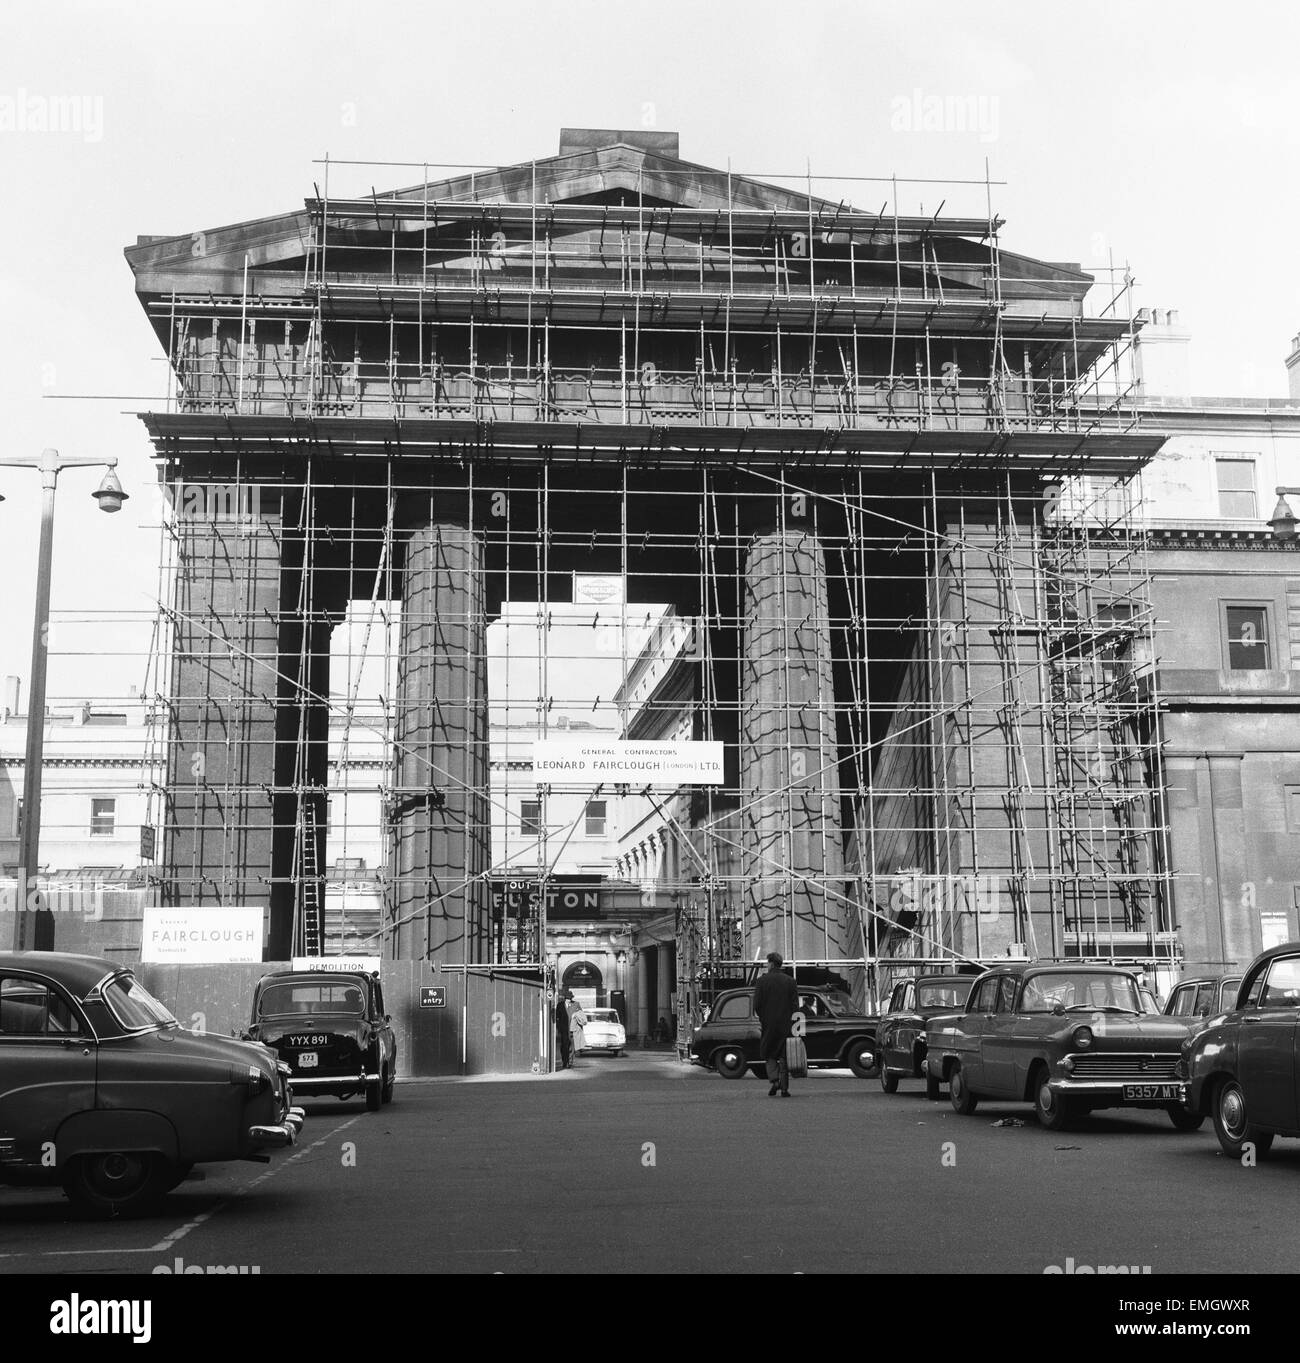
[{"x": 592, "y": 762}]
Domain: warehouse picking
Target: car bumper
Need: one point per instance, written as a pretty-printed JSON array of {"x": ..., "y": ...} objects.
[
  {"x": 325, "y": 1082},
  {"x": 282, "y": 1133},
  {"x": 1156, "y": 1093}
]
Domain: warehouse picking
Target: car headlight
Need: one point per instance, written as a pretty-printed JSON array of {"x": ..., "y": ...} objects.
[{"x": 1082, "y": 1038}]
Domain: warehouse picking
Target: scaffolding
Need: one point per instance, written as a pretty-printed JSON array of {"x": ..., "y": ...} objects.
[{"x": 861, "y": 478}]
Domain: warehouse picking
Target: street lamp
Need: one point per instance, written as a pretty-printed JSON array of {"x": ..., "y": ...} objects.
[
  {"x": 34, "y": 928},
  {"x": 1283, "y": 522}
]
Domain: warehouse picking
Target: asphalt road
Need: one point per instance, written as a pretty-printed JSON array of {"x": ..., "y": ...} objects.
[{"x": 644, "y": 1165}]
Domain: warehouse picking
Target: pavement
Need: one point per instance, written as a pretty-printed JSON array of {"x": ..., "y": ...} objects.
[{"x": 645, "y": 1164}]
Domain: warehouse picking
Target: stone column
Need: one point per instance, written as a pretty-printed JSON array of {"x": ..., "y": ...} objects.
[
  {"x": 221, "y": 759},
  {"x": 440, "y": 810},
  {"x": 789, "y": 775}
]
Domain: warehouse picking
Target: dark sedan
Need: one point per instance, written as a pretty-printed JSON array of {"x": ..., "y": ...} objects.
[
  {"x": 1068, "y": 1038},
  {"x": 1203, "y": 996},
  {"x": 835, "y": 1034},
  {"x": 901, "y": 1034},
  {"x": 102, "y": 1090},
  {"x": 330, "y": 1028},
  {"x": 1242, "y": 1070}
]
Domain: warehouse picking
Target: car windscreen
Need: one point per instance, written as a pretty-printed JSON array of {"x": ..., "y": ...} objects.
[
  {"x": 840, "y": 1003},
  {"x": 134, "y": 1006},
  {"x": 311, "y": 996},
  {"x": 943, "y": 994},
  {"x": 601, "y": 1015},
  {"x": 1080, "y": 990}
]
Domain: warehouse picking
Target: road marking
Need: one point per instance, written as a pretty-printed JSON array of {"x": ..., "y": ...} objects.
[{"x": 181, "y": 1232}]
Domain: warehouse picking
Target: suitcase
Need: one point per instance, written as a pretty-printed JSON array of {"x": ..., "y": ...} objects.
[{"x": 796, "y": 1057}]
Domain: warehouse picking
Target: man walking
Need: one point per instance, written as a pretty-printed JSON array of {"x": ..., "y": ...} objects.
[
  {"x": 776, "y": 997},
  {"x": 563, "y": 1036}
]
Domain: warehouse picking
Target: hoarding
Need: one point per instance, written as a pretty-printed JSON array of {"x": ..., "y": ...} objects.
[{"x": 200, "y": 936}]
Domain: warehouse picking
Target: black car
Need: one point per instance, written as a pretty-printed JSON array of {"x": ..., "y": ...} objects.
[
  {"x": 901, "y": 1034},
  {"x": 1243, "y": 1070},
  {"x": 835, "y": 1034},
  {"x": 103, "y": 1091},
  {"x": 330, "y": 1028},
  {"x": 1204, "y": 996}
]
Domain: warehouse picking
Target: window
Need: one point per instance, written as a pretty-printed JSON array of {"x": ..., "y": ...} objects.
[
  {"x": 1007, "y": 994},
  {"x": 734, "y": 1008},
  {"x": 1247, "y": 631},
  {"x": 29, "y": 1009},
  {"x": 102, "y": 816},
  {"x": 530, "y": 817},
  {"x": 595, "y": 818},
  {"x": 1292, "y": 796},
  {"x": 1275, "y": 929},
  {"x": 983, "y": 1000},
  {"x": 1184, "y": 1001},
  {"x": 1283, "y": 988},
  {"x": 1236, "y": 484}
]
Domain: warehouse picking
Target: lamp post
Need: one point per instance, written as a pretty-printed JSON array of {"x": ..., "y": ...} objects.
[
  {"x": 1283, "y": 522},
  {"x": 34, "y": 927}
]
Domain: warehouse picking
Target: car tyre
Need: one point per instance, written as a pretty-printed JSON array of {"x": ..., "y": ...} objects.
[
  {"x": 1184, "y": 1120},
  {"x": 390, "y": 1079},
  {"x": 888, "y": 1081},
  {"x": 1052, "y": 1109},
  {"x": 933, "y": 1087},
  {"x": 374, "y": 1096},
  {"x": 730, "y": 1062},
  {"x": 862, "y": 1060},
  {"x": 959, "y": 1095},
  {"x": 1232, "y": 1123},
  {"x": 119, "y": 1183}
]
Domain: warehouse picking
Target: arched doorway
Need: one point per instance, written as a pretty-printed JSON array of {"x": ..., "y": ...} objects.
[{"x": 587, "y": 983}]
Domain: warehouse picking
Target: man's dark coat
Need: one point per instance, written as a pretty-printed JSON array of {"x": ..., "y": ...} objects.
[{"x": 776, "y": 996}]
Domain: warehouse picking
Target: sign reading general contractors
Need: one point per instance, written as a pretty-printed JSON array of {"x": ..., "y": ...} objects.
[
  {"x": 589, "y": 762},
  {"x": 206, "y": 936}
]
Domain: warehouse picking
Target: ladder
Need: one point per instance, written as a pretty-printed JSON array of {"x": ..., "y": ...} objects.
[{"x": 309, "y": 880}]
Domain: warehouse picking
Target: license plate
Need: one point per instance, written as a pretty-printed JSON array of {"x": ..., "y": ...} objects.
[
  {"x": 1153, "y": 1093},
  {"x": 308, "y": 1060}
]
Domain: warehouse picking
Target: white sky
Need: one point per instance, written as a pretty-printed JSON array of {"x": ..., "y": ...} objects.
[{"x": 1165, "y": 133}]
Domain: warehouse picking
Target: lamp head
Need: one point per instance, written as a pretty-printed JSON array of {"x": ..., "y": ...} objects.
[
  {"x": 1283, "y": 521},
  {"x": 109, "y": 493}
]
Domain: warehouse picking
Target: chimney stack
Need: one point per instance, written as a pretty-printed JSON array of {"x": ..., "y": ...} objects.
[{"x": 1163, "y": 358}]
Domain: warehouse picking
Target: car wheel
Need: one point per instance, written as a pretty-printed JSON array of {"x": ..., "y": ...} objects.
[
  {"x": 389, "y": 1080},
  {"x": 888, "y": 1082},
  {"x": 1232, "y": 1124},
  {"x": 1184, "y": 1120},
  {"x": 730, "y": 1062},
  {"x": 961, "y": 1098},
  {"x": 932, "y": 1087},
  {"x": 862, "y": 1061},
  {"x": 177, "y": 1174},
  {"x": 118, "y": 1183},
  {"x": 1051, "y": 1108},
  {"x": 374, "y": 1096}
]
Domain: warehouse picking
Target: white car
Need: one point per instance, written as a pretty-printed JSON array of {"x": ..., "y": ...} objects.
[{"x": 603, "y": 1032}]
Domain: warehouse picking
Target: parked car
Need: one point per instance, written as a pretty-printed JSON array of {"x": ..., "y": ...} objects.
[
  {"x": 1241, "y": 1070},
  {"x": 604, "y": 1031},
  {"x": 102, "y": 1091},
  {"x": 1068, "y": 1038},
  {"x": 1203, "y": 996},
  {"x": 835, "y": 1034},
  {"x": 900, "y": 1038},
  {"x": 330, "y": 1028}
]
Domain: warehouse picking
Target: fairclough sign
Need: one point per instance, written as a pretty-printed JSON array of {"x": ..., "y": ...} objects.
[
  {"x": 589, "y": 762},
  {"x": 201, "y": 935}
]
